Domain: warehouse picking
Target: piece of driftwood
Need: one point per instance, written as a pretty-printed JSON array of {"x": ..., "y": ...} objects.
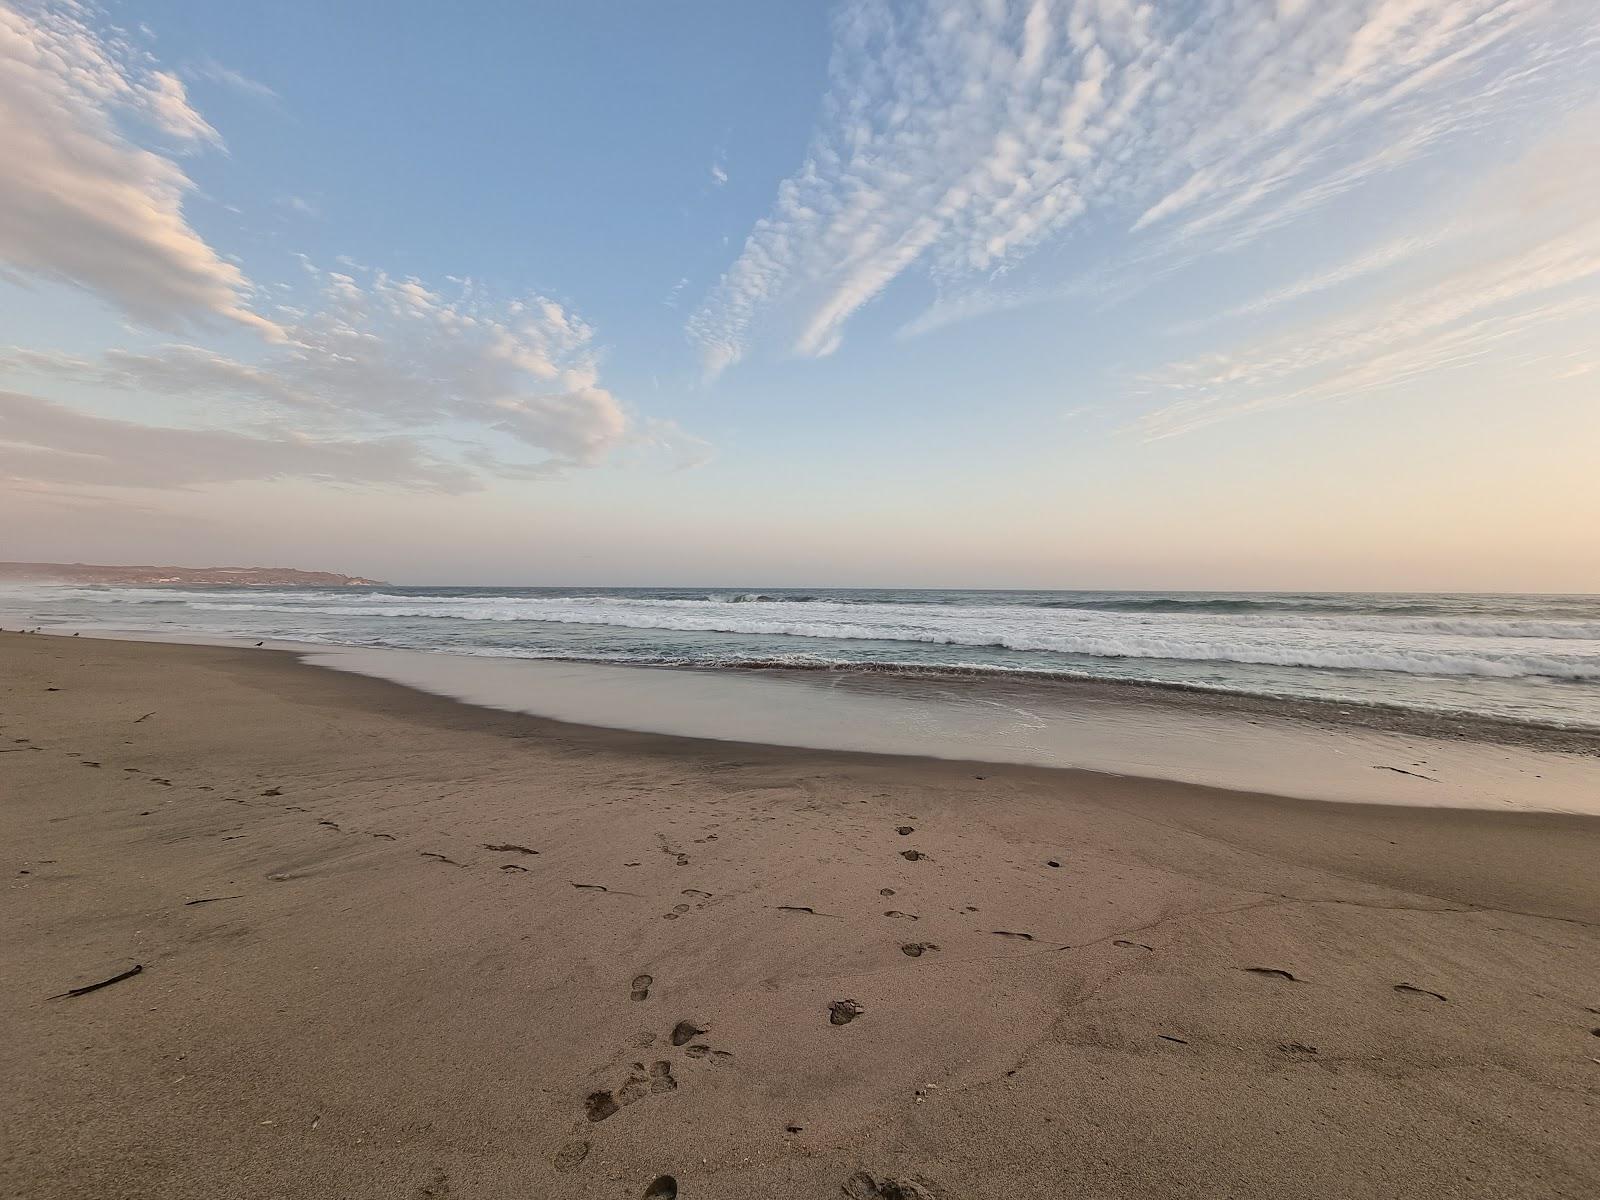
[{"x": 95, "y": 987}]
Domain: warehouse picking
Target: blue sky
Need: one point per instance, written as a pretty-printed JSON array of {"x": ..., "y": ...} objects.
[{"x": 1226, "y": 293}]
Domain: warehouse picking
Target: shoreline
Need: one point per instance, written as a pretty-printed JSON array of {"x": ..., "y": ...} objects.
[
  {"x": 1308, "y": 750},
  {"x": 393, "y": 945},
  {"x": 1372, "y": 715}
]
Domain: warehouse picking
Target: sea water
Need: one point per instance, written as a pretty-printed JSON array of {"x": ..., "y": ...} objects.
[{"x": 1530, "y": 658}]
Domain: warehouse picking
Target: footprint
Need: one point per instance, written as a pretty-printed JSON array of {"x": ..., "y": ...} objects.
[
  {"x": 862, "y": 1186},
  {"x": 681, "y": 858},
  {"x": 507, "y": 848},
  {"x": 641, "y": 987},
  {"x": 842, "y": 1012},
  {"x": 1027, "y": 937},
  {"x": 438, "y": 857},
  {"x": 1406, "y": 987},
  {"x": 635, "y": 1088},
  {"x": 388, "y": 837},
  {"x": 917, "y": 949},
  {"x": 901, "y": 916},
  {"x": 696, "y": 892},
  {"x": 591, "y": 887},
  {"x": 1050, "y": 862},
  {"x": 570, "y": 1155},
  {"x": 1124, "y": 942},
  {"x": 905, "y": 830},
  {"x": 437, "y": 1184},
  {"x": 276, "y": 791},
  {"x": 662, "y": 1187},
  {"x": 885, "y": 891},
  {"x": 514, "y": 867},
  {"x": 684, "y": 1032},
  {"x": 597, "y": 1106},
  {"x": 912, "y": 855},
  {"x": 661, "y": 1079},
  {"x": 1275, "y": 972}
]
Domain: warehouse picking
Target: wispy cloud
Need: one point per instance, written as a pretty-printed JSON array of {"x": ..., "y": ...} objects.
[
  {"x": 80, "y": 201},
  {"x": 388, "y": 355},
  {"x": 1520, "y": 262},
  {"x": 958, "y": 138},
  {"x": 42, "y": 442},
  {"x": 212, "y": 71},
  {"x": 449, "y": 390}
]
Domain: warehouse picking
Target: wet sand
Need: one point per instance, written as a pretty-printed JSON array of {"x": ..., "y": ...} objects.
[{"x": 396, "y": 946}]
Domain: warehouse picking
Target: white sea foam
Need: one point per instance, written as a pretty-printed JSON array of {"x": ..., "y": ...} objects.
[
  {"x": 1524, "y": 657},
  {"x": 1491, "y": 647}
]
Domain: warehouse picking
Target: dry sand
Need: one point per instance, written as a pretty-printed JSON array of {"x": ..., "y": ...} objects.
[{"x": 394, "y": 946}]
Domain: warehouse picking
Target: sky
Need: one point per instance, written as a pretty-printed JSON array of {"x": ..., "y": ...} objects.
[{"x": 1210, "y": 294}]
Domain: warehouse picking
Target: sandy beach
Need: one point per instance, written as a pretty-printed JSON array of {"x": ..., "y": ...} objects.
[{"x": 391, "y": 945}]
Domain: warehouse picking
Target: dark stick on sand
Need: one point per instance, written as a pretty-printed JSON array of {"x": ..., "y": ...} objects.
[{"x": 95, "y": 987}]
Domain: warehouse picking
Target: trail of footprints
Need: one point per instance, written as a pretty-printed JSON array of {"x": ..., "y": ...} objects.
[{"x": 656, "y": 1078}]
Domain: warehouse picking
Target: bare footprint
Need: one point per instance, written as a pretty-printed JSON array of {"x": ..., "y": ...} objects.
[
  {"x": 863, "y": 1186},
  {"x": 438, "y": 857},
  {"x": 635, "y": 1088},
  {"x": 1027, "y": 937},
  {"x": 662, "y": 1187},
  {"x": 514, "y": 867},
  {"x": 570, "y": 1155},
  {"x": 917, "y": 949},
  {"x": 913, "y": 855},
  {"x": 1275, "y": 972},
  {"x": 597, "y": 1106},
  {"x": 1124, "y": 942},
  {"x": 901, "y": 916},
  {"x": 507, "y": 848},
  {"x": 641, "y": 987}
]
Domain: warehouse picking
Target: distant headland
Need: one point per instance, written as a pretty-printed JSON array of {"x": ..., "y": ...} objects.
[{"x": 81, "y": 573}]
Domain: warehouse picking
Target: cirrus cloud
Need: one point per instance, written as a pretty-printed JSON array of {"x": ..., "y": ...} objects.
[{"x": 959, "y": 138}]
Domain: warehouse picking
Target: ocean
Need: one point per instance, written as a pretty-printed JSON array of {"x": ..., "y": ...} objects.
[{"x": 1528, "y": 658}]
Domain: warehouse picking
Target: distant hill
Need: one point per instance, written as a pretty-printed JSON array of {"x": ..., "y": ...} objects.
[{"x": 23, "y": 572}]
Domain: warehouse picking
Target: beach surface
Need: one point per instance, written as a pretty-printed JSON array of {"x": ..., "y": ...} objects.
[{"x": 393, "y": 945}]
